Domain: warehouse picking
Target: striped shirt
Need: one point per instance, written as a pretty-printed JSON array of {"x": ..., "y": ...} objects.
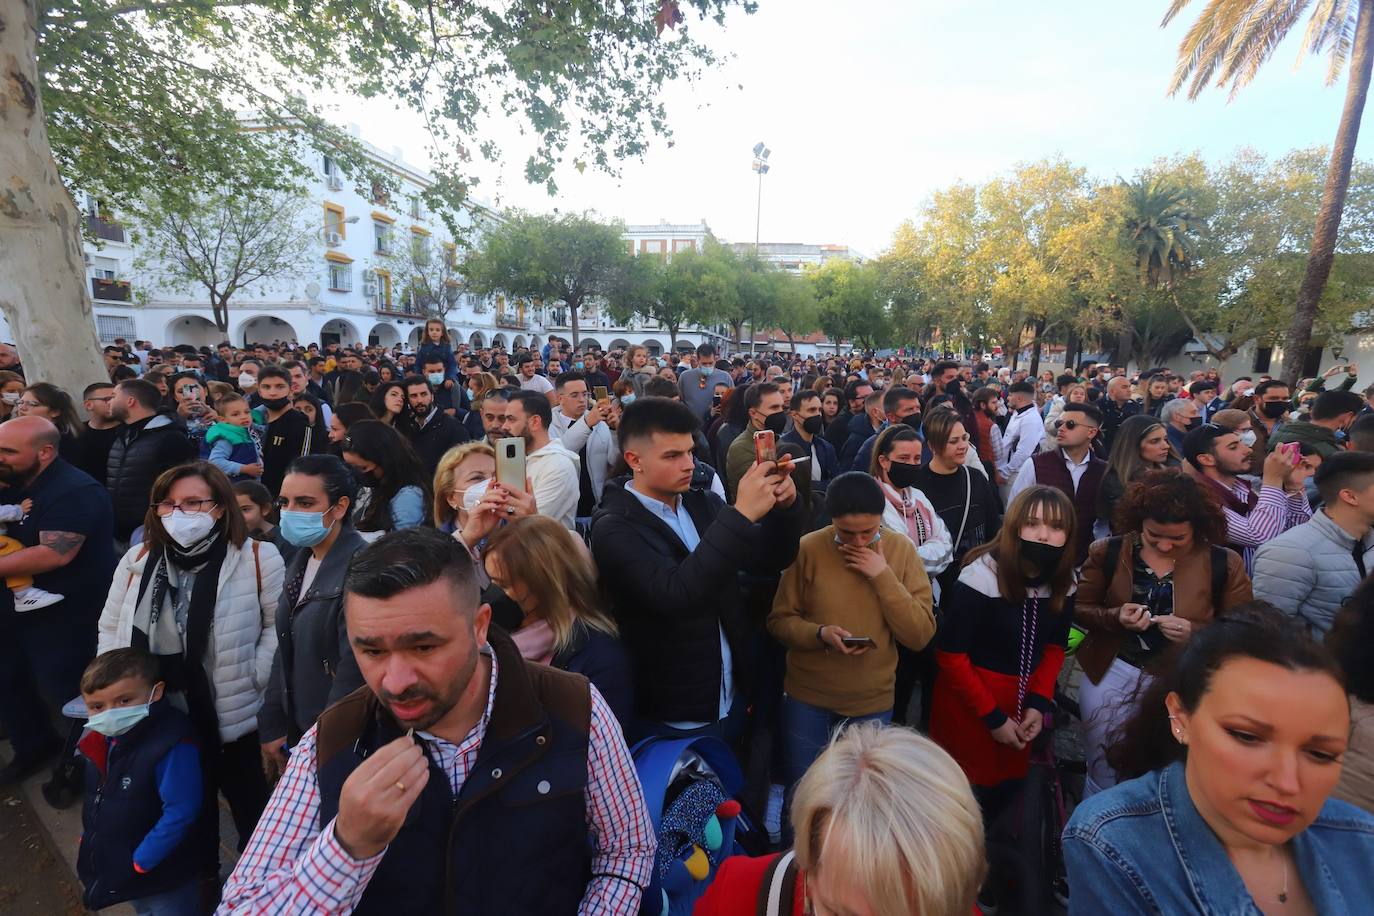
[{"x": 291, "y": 866}]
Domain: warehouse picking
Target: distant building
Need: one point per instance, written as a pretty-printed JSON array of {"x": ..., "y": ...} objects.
[{"x": 794, "y": 257}]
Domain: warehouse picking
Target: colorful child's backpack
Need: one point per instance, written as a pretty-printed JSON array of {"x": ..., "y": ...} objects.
[{"x": 690, "y": 786}]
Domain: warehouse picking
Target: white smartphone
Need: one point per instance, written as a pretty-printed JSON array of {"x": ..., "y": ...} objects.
[{"x": 510, "y": 463}]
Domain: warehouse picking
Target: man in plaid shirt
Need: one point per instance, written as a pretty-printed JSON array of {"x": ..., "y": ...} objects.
[{"x": 460, "y": 778}]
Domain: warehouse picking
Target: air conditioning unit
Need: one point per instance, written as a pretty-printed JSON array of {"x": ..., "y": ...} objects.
[
  {"x": 333, "y": 239},
  {"x": 369, "y": 276},
  {"x": 86, "y": 258},
  {"x": 335, "y": 183},
  {"x": 370, "y": 288}
]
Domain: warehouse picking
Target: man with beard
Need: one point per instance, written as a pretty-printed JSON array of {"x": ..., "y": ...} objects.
[
  {"x": 431, "y": 431},
  {"x": 460, "y": 772},
  {"x": 67, "y": 540},
  {"x": 148, "y": 444}
]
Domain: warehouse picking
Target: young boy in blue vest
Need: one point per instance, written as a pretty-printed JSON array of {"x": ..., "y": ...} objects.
[{"x": 143, "y": 790}]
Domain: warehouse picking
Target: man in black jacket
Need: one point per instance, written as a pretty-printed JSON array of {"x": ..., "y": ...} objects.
[
  {"x": 670, "y": 557},
  {"x": 855, "y": 393},
  {"x": 148, "y": 444},
  {"x": 430, "y": 430},
  {"x": 288, "y": 431}
]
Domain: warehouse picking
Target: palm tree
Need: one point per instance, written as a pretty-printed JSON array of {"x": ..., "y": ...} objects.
[
  {"x": 1230, "y": 40},
  {"x": 1161, "y": 229}
]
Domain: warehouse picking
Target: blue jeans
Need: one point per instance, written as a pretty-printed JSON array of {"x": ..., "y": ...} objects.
[
  {"x": 807, "y": 730},
  {"x": 181, "y": 901}
]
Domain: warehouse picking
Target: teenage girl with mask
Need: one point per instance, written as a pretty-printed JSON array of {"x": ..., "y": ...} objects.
[
  {"x": 1000, "y": 648},
  {"x": 314, "y": 665}
]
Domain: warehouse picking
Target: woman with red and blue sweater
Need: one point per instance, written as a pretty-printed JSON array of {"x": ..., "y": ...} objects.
[{"x": 1001, "y": 645}]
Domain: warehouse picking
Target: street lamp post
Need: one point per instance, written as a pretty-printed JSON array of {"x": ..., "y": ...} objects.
[{"x": 761, "y": 153}]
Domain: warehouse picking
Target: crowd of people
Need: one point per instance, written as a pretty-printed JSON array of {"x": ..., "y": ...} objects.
[{"x": 410, "y": 613}]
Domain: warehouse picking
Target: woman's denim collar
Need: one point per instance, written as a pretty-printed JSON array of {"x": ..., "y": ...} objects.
[{"x": 1213, "y": 879}]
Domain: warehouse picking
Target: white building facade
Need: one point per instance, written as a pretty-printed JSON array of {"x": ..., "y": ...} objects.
[{"x": 347, "y": 296}]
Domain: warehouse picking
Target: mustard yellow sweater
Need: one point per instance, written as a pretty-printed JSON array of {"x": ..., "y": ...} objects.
[{"x": 818, "y": 589}]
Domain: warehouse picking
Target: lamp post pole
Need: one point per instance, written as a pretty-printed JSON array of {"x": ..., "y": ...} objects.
[{"x": 761, "y": 153}]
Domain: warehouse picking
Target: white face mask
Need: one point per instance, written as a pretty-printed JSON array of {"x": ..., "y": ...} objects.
[
  {"x": 473, "y": 494},
  {"x": 11, "y": 397},
  {"x": 246, "y": 380},
  {"x": 188, "y": 529},
  {"x": 1247, "y": 438}
]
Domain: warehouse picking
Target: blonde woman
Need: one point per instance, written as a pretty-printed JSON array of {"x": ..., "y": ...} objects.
[
  {"x": 537, "y": 563},
  {"x": 461, "y": 467},
  {"x": 885, "y": 824}
]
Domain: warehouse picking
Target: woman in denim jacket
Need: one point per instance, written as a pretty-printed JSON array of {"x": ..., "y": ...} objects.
[{"x": 1240, "y": 745}]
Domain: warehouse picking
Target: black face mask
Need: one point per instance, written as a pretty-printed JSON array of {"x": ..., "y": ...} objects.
[
  {"x": 776, "y": 422},
  {"x": 365, "y": 478},
  {"x": 1044, "y": 557},
  {"x": 1195, "y": 422},
  {"x": 913, "y": 420},
  {"x": 275, "y": 403},
  {"x": 903, "y": 475},
  {"x": 1274, "y": 410},
  {"x": 813, "y": 425}
]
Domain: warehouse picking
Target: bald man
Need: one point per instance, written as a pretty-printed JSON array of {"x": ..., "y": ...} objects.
[{"x": 67, "y": 537}]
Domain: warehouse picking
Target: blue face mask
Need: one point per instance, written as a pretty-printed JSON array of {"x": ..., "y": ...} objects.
[
  {"x": 114, "y": 722},
  {"x": 435, "y": 378},
  {"x": 626, "y": 400},
  {"x": 304, "y": 529}
]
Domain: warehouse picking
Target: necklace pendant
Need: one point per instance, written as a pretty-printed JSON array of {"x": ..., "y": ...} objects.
[{"x": 1283, "y": 896}]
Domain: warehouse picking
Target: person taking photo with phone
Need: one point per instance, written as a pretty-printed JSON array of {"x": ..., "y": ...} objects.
[{"x": 854, "y": 592}]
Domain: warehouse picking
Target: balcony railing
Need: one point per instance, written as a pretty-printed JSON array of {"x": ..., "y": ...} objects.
[
  {"x": 511, "y": 321},
  {"x": 400, "y": 309},
  {"x": 110, "y": 290},
  {"x": 103, "y": 228}
]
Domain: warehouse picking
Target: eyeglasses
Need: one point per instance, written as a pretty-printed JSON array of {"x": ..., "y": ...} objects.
[
  {"x": 189, "y": 506},
  {"x": 1073, "y": 424},
  {"x": 109, "y": 397},
  {"x": 28, "y": 405}
]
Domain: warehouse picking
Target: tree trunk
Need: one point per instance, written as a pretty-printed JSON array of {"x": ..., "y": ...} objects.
[
  {"x": 219, "y": 305},
  {"x": 572, "y": 320},
  {"x": 738, "y": 328},
  {"x": 1323, "y": 250},
  {"x": 672, "y": 338},
  {"x": 1035, "y": 347},
  {"x": 44, "y": 293}
]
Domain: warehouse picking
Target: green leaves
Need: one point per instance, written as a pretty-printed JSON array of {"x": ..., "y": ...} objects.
[{"x": 143, "y": 96}]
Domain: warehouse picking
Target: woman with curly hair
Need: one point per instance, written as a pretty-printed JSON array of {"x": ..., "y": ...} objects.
[{"x": 1166, "y": 576}]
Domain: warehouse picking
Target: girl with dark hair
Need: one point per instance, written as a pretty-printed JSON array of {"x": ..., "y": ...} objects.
[
  {"x": 313, "y": 409},
  {"x": 348, "y": 388},
  {"x": 1352, "y": 641},
  {"x": 736, "y": 418},
  {"x": 314, "y": 665},
  {"x": 393, "y": 486},
  {"x": 388, "y": 403},
  {"x": 1000, "y": 653},
  {"x": 42, "y": 399},
  {"x": 1231, "y": 760},
  {"x": 344, "y": 416},
  {"x": 896, "y": 464},
  {"x": 1154, "y": 586},
  {"x": 1140, "y": 444},
  {"x": 200, "y": 595}
]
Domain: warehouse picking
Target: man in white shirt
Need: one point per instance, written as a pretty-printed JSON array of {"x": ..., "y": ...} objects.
[
  {"x": 551, "y": 468},
  {"x": 1022, "y": 435},
  {"x": 531, "y": 380}
]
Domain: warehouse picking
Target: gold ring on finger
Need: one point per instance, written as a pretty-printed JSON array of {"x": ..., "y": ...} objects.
[{"x": 400, "y": 785}]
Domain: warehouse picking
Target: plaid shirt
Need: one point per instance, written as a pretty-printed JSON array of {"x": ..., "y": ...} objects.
[{"x": 292, "y": 866}]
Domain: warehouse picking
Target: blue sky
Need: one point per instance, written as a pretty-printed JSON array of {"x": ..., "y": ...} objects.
[{"x": 869, "y": 105}]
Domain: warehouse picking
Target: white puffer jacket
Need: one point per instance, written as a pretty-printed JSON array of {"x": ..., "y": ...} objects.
[{"x": 243, "y": 637}]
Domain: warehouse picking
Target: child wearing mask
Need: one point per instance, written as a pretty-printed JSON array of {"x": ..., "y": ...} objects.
[{"x": 143, "y": 790}]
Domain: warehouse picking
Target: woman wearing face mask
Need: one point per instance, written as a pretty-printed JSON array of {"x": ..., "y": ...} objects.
[
  {"x": 461, "y": 468},
  {"x": 1000, "y": 654},
  {"x": 546, "y": 570},
  {"x": 314, "y": 664},
  {"x": 11, "y": 390},
  {"x": 896, "y": 464},
  {"x": 1166, "y": 577},
  {"x": 393, "y": 485},
  {"x": 389, "y": 403},
  {"x": 1231, "y": 761},
  {"x": 201, "y": 595},
  {"x": 1141, "y": 444}
]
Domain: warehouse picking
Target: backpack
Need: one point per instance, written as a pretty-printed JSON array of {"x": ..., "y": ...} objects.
[
  {"x": 1220, "y": 568},
  {"x": 690, "y": 786}
]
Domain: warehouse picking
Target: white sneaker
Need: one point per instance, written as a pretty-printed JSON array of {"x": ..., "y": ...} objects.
[
  {"x": 31, "y": 599},
  {"x": 772, "y": 816}
]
